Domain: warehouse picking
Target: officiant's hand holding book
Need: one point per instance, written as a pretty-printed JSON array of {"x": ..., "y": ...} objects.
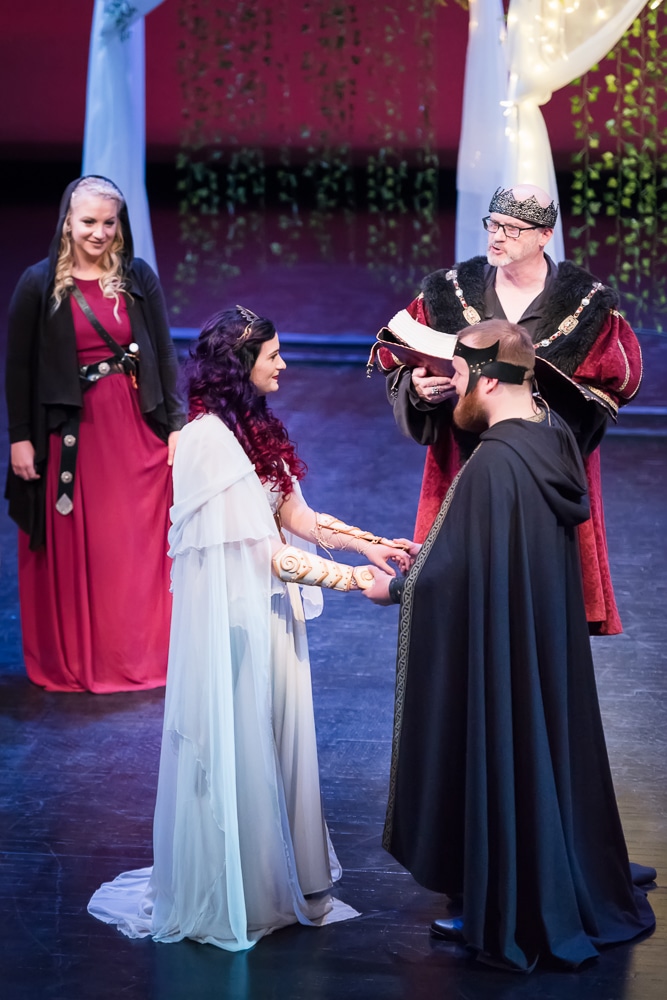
[{"x": 415, "y": 345}]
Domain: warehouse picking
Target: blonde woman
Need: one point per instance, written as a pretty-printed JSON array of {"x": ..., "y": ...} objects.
[{"x": 93, "y": 421}]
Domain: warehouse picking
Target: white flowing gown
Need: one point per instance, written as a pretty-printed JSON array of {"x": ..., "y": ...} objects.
[{"x": 239, "y": 837}]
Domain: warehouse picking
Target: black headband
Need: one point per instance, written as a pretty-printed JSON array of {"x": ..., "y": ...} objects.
[{"x": 482, "y": 361}]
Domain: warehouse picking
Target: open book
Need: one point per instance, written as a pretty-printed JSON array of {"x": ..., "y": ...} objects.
[{"x": 418, "y": 346}]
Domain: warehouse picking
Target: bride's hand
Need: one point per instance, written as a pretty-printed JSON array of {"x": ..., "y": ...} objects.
[
  {"x": 412, "y": 548},
  {"x": 383, "y": 555}
]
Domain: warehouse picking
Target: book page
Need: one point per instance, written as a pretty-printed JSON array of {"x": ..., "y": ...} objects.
[{"x": 422, "y": 338}]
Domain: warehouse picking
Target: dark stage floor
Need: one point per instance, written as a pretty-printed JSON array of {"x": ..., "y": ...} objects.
[{"x": 78, "y": 772}]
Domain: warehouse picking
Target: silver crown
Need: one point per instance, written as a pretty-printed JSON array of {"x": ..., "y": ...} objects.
[
  {"x": 248, "y": 315},
  {"x": 528, "y": 210}
]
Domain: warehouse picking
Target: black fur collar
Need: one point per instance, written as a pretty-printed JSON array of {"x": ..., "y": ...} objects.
[
  {"x": 572, "y": 284},
  {"x": 443, "y": 308}
]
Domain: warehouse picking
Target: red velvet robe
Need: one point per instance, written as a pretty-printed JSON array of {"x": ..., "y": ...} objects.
[{"x": 612, "y": 370}]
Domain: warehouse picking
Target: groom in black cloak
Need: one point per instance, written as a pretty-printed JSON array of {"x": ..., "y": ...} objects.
[{"x": 500, "y": 790}]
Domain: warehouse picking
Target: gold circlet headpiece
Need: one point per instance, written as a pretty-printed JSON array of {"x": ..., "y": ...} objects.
[{"x": 249, "y": 316}]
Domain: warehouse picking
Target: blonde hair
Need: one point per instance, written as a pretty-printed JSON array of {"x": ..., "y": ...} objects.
[{"x": 112, "y": 280}]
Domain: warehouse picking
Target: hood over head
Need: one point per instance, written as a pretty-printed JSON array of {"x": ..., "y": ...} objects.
[
  {"x": 551, "y": 455},
  {"x": 123, "y": 218}
]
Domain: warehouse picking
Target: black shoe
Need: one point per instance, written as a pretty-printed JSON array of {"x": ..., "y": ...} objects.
[
  {"x": 449, "y": 929},
  {"x": 642, "y": 874}
]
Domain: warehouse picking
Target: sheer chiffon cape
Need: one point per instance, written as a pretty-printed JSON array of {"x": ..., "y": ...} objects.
[{"x": 239, "y": 835}]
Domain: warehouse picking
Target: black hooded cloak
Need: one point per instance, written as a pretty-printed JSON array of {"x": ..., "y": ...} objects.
[
  {"x": 500, "y": 784},
  {"x": 42, "y": 375}
]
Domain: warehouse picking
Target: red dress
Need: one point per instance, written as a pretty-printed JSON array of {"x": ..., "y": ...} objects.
[{"x": 95, "y": 601}]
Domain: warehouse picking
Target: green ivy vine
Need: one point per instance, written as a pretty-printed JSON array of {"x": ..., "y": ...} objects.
[
  {"x": 228, "y": 51},
  {"x": 401, "y": 196},
  {"x": 619, "y": 187}
]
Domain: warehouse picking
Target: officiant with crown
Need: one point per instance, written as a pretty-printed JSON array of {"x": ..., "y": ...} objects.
[{"x": 588, "y": 361}]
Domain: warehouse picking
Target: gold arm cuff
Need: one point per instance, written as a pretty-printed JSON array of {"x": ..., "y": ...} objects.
[
  {"x": 292, "y": 565},
  {"x": 338, "y": 527}
]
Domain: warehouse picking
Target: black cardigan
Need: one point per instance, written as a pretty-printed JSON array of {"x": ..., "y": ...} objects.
[{"x": 43, "y": 385}]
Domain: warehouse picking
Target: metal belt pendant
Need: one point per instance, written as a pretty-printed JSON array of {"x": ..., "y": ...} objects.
[{"x": 70, "y": 446}]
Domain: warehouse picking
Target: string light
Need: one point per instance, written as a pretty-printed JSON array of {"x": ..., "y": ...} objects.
[
  {"x": 541, "y": 42},
  {"x": 554, "y": 29}
]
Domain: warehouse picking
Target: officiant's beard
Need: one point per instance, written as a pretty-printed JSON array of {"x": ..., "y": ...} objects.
[{"x": 470, "y": 413}]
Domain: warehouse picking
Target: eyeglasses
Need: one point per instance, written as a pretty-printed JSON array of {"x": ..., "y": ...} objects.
[{"x": 511, "y": 232}]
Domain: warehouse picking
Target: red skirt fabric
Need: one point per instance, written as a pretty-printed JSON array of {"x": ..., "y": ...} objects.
[{"x": 95, "y": 601}]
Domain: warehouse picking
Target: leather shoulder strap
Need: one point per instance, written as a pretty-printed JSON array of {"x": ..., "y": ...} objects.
[{"x": 95, "y": 323}]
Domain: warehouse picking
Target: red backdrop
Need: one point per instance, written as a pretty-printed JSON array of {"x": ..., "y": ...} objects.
[{"x": 43, "y": 65}]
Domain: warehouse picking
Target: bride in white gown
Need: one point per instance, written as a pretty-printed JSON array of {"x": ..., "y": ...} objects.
[{"x": 240, "y": 844}]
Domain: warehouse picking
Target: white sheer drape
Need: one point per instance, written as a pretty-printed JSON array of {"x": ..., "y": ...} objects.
[
  {"x": 115, "y": 131},
  {"x": 549, "y": 43},
  {"x": 482, "y": 126}
]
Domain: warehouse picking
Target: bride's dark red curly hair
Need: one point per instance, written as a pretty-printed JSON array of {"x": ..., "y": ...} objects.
[{"x": 217, "y": 380}]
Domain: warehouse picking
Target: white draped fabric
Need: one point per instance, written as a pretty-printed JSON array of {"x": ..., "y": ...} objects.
[
  {"x": 115, "y": 130},
  {"x": 549, "y": 43},
  {"x": 239, "y": 836},
  {"x": 479, "y": 171}
]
